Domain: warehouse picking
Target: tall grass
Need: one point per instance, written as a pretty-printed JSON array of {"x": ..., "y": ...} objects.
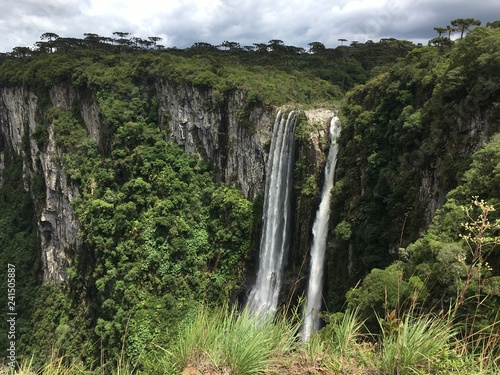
[
  {"x": 196, "y": 339},
  {"x": 338, "y": 345},
  {"x": 482, "y": 347},
  {"x": 345, "y": 332},
  {"x": 418, "y": 343},
  {"x": 250, "y": 345},
  {"x": 55, "y": 366},
  {"x": 225, "y": 341},
  {"x": 237, "y": 343}
]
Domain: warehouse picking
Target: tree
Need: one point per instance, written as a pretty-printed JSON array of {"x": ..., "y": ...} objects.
[
  {"x": 316, "y": 47},
  {"x": 450, "y": 29},
  {"x": 66, "y": 44},
  {"x": 295, "y": 50},
  {"x": 91, "y": 36},
  {"x": 148, "y": 44},
  {"x": 341, "y": 40},
  {"x": 260, "y": 47},
  {"x": 203, "y": 46},
  {"x": 464, "y": 24},
  {"x": 42, "y": 47},
  {"x": 155, "y": 39},
  {"x": 276, "y": 45},
  {"x": 21, "y": 51},
  {"x": 440, "y": 42},
  {"x": 402, "y": 46},
  {"x": 493, "y": 25},
  {"x": 136, "y": 41},
  {"x": 121, "y": 34},
  {"x": 122, "y": 38},
  {"x": 108, "y": 40},
  {"x": 440, "y": 30},
  {"x": 231, "y": 46},
  {"x": 384, "y": 290},
  {"x": 50, "y": 37},
  {"x": 93, "y": 39}
]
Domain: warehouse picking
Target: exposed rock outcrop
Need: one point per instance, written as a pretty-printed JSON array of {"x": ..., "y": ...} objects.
[
  {"x": 2, "y": 162},
  {"x": 470, "y": 135},
  {"x": 57, "y": 225},
  {"x": 217, "y": 132},
  {"x": 311, "y": 159}
]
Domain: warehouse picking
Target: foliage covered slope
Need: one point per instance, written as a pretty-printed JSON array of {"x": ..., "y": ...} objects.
[
  {"x": 423, "y": 132},
  {"x": 407, "y": 139}
]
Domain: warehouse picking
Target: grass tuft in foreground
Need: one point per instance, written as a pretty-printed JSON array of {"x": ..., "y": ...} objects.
[{"x": 233, "y": 342}]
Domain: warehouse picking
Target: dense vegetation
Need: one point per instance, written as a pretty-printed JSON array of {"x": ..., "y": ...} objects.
[
  {"x": 343, "y": 66},
  {"x": 165, "y": 247},
  {"x": 420, "y": 121},
  {"x": 407, "y": 140}
]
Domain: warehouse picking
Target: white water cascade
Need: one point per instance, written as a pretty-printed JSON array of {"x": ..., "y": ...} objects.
[
  {"x": 275, "y": 239},
  {"x": 320, "y": 232}
]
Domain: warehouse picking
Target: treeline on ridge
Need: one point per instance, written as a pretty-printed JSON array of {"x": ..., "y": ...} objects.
[{"x": 343, "y": 66}]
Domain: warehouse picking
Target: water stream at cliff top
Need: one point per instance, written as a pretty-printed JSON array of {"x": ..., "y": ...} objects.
[
  {"x": 320, "y": 232},
  {"x": 275, "y": 238}
]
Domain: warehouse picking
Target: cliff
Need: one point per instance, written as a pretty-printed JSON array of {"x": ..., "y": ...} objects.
[
  {"x": 218, "y": 133},
  {"x": 231, "y": 135},
  {"x": 408, "y": 139},
  {"x": 57, "y": 225}
]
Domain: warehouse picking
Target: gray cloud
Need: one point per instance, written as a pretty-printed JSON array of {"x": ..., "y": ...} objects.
[{"x": 184, "y": 22}]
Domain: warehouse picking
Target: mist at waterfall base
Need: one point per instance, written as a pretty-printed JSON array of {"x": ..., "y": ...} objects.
[
  {"x": 275, "y": 238},
  {"x": 320, "y": 232}
]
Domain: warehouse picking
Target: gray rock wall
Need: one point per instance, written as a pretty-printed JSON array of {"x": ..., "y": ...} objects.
[
  {"x": 216, "y": 132},
  {"x": 232, "y": 136},
  {"x": 57, "y": 225}
]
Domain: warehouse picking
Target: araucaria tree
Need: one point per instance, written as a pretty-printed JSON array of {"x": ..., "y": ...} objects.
[{"x": 464, "y": 24}]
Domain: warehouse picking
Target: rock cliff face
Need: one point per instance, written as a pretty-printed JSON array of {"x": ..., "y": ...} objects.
[
  {"x": 311, "y": 158},
  {"x": 57, "y": 225},
  {"x": 217, "y": 132},
  {"x": 468, "y": 137},
  {"x": 228, "y": 133},
  {"x": 2, "y": 158}
]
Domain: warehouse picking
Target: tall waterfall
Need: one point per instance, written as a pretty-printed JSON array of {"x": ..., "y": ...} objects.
[
  {"x": 275, "y": 240},
  {"x": 320, "y": 231}
]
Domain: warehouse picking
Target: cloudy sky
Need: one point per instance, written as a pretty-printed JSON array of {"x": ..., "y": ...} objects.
[{"x": 183, "y": 22}]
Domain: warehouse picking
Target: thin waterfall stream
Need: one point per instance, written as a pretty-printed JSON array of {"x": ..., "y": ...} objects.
[
  {"x": 320, "y": 232},
  {"x": 275, "y": 238}
]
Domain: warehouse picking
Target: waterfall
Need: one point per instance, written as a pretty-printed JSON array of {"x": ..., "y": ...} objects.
[
  {"x": 275, "y": 239},
  {"x": 320, "y": 232}
]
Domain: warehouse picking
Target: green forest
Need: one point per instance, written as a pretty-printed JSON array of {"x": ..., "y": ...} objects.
[{"x": 166, "y": 248}]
